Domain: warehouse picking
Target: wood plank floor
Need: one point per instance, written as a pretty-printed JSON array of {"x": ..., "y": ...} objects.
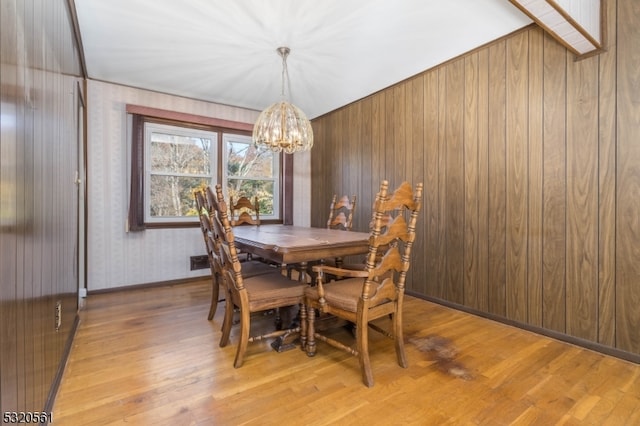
[{"x": 150, "y": 357}]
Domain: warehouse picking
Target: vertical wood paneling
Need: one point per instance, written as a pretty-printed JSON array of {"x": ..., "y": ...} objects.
[
  {"x": 337, "y": 159},
  {"x": 444, "y": 290},
  {"x": 25, "y": 300},
  {"x": 38, "y": 201},
  {"x": 388, "y": 145},
  {"x": 407, "y": 114},
  {"x": 431, "y": 186},
  {"x": 530, "y": 165},
  {"x": 415, "y": 155},
  {"x": 607, "y": 183},
  {"x": 628, "y": 178},
  {"x": 353, "y": 159},
  {"x": 516, "y": 176},
  {"x": 398, "y": 141},
  {"x": 554, "y": 186},
  {"x": 378, "y": 136},
  {"x": 483, "y": 180},
  {"x": 471, "y": 189},
  {"x": 497, "y": 183},
  {"x": 535, "y": 158},
  {"x": 582, "y": 198},
  {"x": 9, "y": 96},
  {"x": 454, "y": 183},
  {"x": 367, "y": 152}
]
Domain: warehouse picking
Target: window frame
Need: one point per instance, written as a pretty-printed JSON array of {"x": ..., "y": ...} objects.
[{"x": 140, "y": 115}]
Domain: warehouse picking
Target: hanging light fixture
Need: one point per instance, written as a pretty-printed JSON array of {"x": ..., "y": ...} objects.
[{"x": 283, "y": 126}]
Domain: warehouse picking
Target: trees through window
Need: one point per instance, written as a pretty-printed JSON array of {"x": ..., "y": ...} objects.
[
  {"x": 252, "y": 172},
  {"x": 171, "y": 160}
]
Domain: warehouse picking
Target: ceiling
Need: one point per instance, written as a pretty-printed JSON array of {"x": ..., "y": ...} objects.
[{"x": 224, "y": 51}]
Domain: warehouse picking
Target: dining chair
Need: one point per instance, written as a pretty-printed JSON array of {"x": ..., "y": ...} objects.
[
  {"x": 341, "y": 212},
  {"x": 251, "y": 294},
  {"x": 206, "y": 206},
  {"x": 340, "y": 217},
  {"x": 209, "y": 200},
  {"x": 377, "y": 291},
  {"x": 214, "y": 263},
  {"x": 244, "y": 212}
]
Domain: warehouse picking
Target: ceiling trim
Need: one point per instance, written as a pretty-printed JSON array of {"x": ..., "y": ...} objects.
[{"x": 563, "y": 25}]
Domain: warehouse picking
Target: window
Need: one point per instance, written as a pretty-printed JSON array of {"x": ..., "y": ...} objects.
[
  {"x": 174, "y": 154},
  {"x": 177, "y": 161},
  {"x": 252, "y": 172}
]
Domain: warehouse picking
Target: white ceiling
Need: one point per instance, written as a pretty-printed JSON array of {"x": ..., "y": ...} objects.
[{"x": 224, "y": 51}]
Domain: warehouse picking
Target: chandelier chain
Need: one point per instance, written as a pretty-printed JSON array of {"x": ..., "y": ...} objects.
[{"x": 284, "y": 52}]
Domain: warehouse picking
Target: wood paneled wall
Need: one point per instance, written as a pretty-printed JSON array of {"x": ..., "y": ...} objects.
[
  {"x": 531, "y": 165},
  {"x": 38, "y": 198}
]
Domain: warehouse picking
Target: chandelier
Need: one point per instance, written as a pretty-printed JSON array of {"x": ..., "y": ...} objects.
[{"x": 283, "y": 126}]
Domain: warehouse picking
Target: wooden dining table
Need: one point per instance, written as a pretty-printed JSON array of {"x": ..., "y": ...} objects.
[{"x": 287, "y": 244}]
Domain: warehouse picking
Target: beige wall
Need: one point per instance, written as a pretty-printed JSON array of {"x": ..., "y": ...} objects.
[{"x": 117, "y": 258}]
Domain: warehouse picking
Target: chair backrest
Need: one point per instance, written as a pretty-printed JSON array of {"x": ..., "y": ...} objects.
[
  {"x": 212, "y": 244},
  {"x": 392, "y": 237},
  {"x": 201, "y": 204},
  {"x": 244, "y": 212},
  {"x": 341, "y": 213},
  {"x": 205, "y": 216},
  {"x": 210, "y": 202},
  {"x": 230, "y": 263}
]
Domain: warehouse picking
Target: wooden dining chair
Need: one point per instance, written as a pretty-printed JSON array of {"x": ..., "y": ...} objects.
[
  {"x": 340, "y": 217},
  {"x": 244, "y": 212},
  {"x": 251, "y": 294},
  {"x": 207, "y": 206},
  {"x": 210, "y": 200},
  {"x": 214, "y": 263},
  {"x": 341, "y": 212},
  {"x": 377, "y": 291}
]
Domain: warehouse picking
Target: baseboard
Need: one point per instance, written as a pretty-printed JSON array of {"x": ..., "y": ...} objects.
[
  {"x": 597, "y": 347},
  {"x": 147, "y": 285}
]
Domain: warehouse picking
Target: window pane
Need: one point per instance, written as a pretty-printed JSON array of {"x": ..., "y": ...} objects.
[
  {"x": 180, "y": 154},
  {"x": 245, "y": 160},
  {"x": 173, "y": 195},
  {"x": 263, "y": 189}
]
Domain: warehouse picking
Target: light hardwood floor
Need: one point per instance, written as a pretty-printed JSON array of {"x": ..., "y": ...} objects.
[{"x": 150, "y": 357}]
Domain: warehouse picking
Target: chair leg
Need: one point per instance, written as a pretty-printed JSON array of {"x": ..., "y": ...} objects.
[
  {"x": 215, "y": 293},
  {"x": 227, "y": 322},
  {"x": 245, "y": 326},
  {"x": 399, "y": 340},
  {"x": 362, "y": 338}
]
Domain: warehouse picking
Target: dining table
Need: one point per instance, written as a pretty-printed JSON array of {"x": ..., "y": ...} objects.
[{"x": 287, "y": 244}]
